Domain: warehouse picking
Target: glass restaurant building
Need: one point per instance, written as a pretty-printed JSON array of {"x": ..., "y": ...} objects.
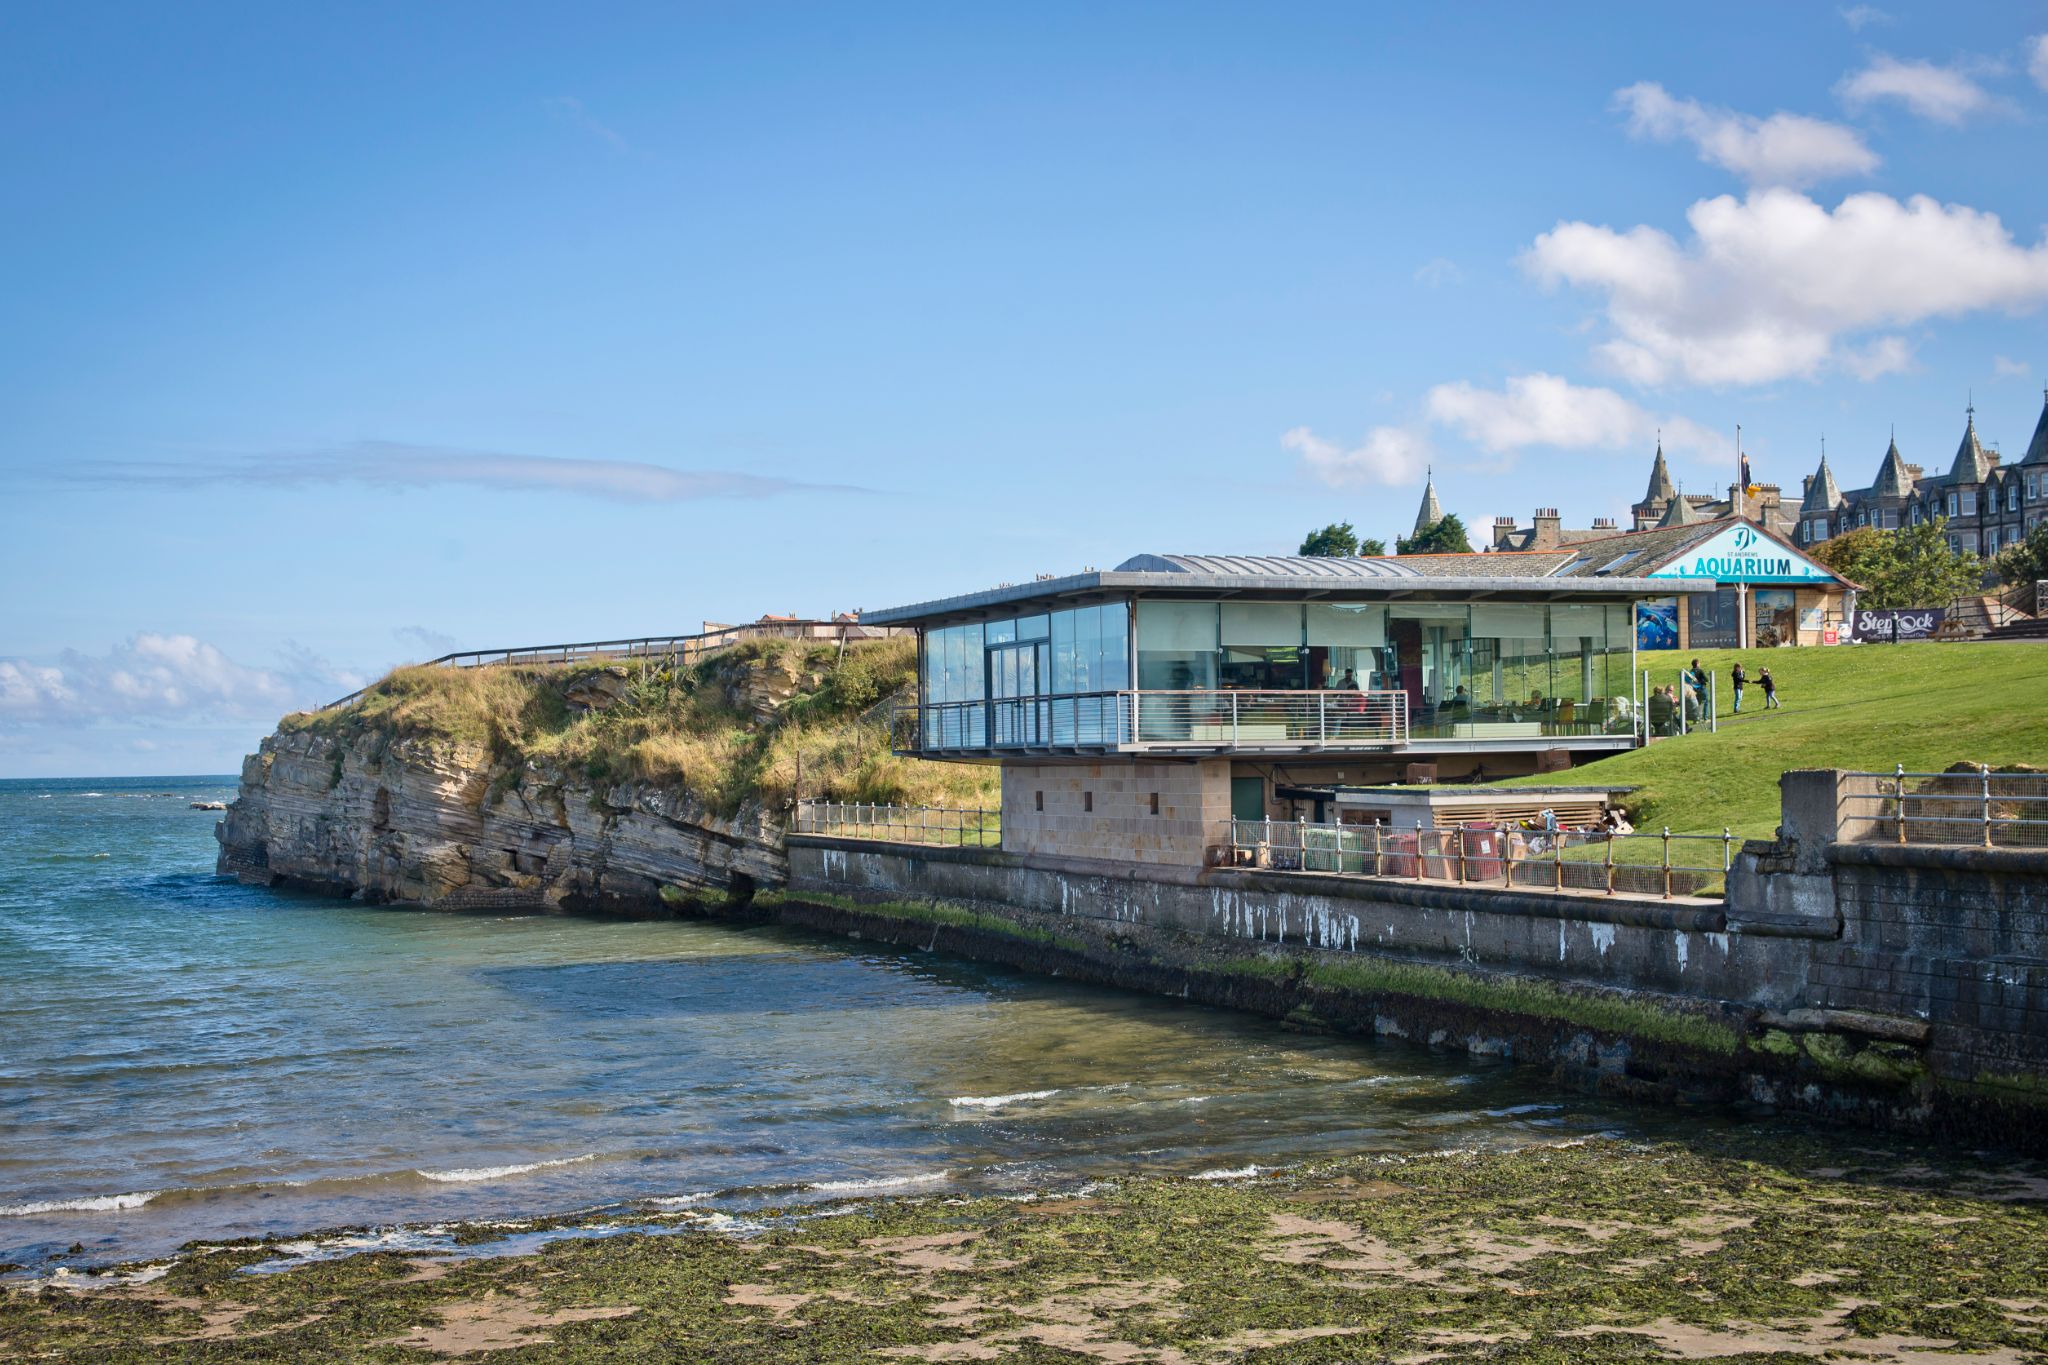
[{"x": 1133, "y": 710}]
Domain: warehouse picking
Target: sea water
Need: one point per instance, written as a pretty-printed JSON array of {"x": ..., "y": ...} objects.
[{"x": 183, "y": 1057}]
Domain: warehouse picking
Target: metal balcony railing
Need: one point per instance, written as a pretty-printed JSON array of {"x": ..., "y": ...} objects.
[{"x": 1215, "y": 720}]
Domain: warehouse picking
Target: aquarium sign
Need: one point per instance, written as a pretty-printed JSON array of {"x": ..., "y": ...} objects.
[{"x": 1742, "y": 554}]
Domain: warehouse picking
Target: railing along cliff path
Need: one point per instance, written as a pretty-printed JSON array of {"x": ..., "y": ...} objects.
[{"x": 677, "y": 650}]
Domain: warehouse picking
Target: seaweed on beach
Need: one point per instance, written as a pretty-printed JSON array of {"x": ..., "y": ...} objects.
[{"x": 1754, "y": 1244}]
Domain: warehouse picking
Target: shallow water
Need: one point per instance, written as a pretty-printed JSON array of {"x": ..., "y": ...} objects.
[{"x": 182, "y": 1057}]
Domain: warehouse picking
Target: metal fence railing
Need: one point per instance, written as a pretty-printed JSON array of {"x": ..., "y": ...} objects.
[
  {"x": 680, "y": 650},
  {"x": 1969, "y": 804},
  {"x": 1661, "y": 864},
  {"x": 952, "y": 826}
]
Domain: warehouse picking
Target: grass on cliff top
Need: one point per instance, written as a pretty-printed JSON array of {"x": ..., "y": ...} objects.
[
  {"x": 1861, "y": 707},
  {"x": 698, "y": 727}
]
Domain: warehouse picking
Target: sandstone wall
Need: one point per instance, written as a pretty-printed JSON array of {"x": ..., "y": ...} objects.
[{"x": 1140, "y": 812}]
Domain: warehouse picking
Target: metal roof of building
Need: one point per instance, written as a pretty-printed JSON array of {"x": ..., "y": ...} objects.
[
  {"x": 1376, "y": 578},
  {"x": 1305, "y": 566}
]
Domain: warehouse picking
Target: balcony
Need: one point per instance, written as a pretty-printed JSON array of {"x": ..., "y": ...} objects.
[{"x": 1221, "y": 721}]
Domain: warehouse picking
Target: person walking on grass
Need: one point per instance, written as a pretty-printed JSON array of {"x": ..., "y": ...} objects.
[
  {"x": 1739, "y": 678},
  {"x": 1770, "y": 687}
]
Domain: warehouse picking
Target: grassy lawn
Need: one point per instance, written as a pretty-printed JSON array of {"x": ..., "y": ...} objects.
[{"x": 1867, "y": 707}]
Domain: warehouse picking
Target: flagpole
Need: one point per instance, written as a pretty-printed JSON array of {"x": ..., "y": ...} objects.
[{"x": 1736, "y": 503}]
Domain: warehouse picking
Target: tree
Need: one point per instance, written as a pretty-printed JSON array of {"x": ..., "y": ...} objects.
[
  {"x": 1338, "y": 540},
  {"x": 1910, "y": 567},
  {"x": 1445, "y": 537},
  {"x": 2026, "y": 562},
  {"x": 1863, "y": 555},
  {"x": 1332, "y": 542}
]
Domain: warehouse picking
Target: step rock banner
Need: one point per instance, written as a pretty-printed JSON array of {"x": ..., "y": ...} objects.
[{"x": 1897, "y": 623}]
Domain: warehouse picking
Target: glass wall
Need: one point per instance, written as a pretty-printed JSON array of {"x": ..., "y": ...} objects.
[
  {"x": 955, "y": 672},
  {"x": 1026, "y": 681},
  {"x": 1483, "y": 670}
]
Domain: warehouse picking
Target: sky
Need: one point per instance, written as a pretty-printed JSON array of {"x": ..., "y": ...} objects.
[{"x": 343, "y": 336}]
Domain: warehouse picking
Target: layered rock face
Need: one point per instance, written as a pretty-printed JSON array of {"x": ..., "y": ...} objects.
[{"x": 440, "y": 826}]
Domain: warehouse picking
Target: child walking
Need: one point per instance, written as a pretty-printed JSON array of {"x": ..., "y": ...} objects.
[
  {"x": 1770, "y": 687},
  {"x": 1739, "y": 678}
]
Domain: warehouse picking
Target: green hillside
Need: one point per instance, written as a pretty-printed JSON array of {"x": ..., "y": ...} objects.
[{"x": 1866, "y": 707}]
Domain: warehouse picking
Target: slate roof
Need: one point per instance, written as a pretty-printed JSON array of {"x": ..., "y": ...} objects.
[
  {"x": 1431, "y": 512},
  {"x": 1681, "y": 512},
  {"x": 1973, "y": 464},
  {"x": 1661, "y": 486},
  {"x": 2037, "y": 449},
  {"x": 1893, "y": 480},
  {"x": 1823, "y": 495}
]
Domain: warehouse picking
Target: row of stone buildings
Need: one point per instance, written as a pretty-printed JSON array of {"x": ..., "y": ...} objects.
[{"x": 1989, "y": 504}]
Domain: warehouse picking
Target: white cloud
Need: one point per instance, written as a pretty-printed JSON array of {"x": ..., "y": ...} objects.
[
  {"x": 1880, "y": 357},
  {"x": 1529, "y": 410},
  {"x": 1784, "y": 149},
  {"x": 160, "y": 677},
  {"x": 392, "y": 464},
  {"x": 1439, "y": 272},
  {"x": 1858, "y": 17},
  {"x": 1944, "y": 94},
  {"x": 2037, "y": 60},
  {"x": 1388, "y": 455},
  {"x": 1776, "y": 285},
  {"x": 2003, "y": 367},
  {"x": 1546, "y": 410}
]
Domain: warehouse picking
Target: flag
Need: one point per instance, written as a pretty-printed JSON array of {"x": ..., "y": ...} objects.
[{"x": 1747, "y": 482}]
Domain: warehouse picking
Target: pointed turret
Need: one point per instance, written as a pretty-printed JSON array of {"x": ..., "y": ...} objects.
[
  {"x": 2037, "y": 449},
  {"x": 1681, "y": 513},
  {"x": 1661, "y": 487},
  {"x": 1972, "y": 464},
  {"x": 1431, "y": 512},
  {"x": 1823, "y": 494},
  {"x": 1892, "y": 479}
]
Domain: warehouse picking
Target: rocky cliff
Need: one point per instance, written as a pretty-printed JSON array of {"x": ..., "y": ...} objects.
[
  {"x": 446, "y": 827},
  {"x": 627, "y": 789}
]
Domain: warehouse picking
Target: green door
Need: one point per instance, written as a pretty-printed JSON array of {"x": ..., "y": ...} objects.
[{"x": 1247, "y": 798}]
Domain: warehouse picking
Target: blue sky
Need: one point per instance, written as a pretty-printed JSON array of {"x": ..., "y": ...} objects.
[{"x": 342, "y": 338}]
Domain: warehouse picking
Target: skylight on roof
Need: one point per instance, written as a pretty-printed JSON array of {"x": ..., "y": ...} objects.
[{"x": 1611, "y": 565}]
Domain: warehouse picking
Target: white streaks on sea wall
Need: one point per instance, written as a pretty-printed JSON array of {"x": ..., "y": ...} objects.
[
  {"x": 1678, "y": 936},
  {"x": 1603, "y": 937}
]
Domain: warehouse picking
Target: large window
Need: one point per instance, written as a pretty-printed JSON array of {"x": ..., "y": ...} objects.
[
  {"x": 954, "y": 674},
  {"x": 1177, "y": 646},
  {"x": 1028, "y": 680}
]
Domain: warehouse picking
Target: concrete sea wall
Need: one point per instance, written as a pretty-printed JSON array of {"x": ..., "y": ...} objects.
[{"x": 1899, "y": 987}]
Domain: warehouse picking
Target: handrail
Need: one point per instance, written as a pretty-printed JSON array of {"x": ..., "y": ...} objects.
[
  {"x": 1504, "y": 856},
  {"x": 1967, "y": 805},
  {"x": 648, "y": 646},
  {"x": 953, "y": 826}
]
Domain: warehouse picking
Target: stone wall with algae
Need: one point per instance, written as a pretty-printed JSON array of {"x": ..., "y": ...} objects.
[{"x": 1900, "y": 988}]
